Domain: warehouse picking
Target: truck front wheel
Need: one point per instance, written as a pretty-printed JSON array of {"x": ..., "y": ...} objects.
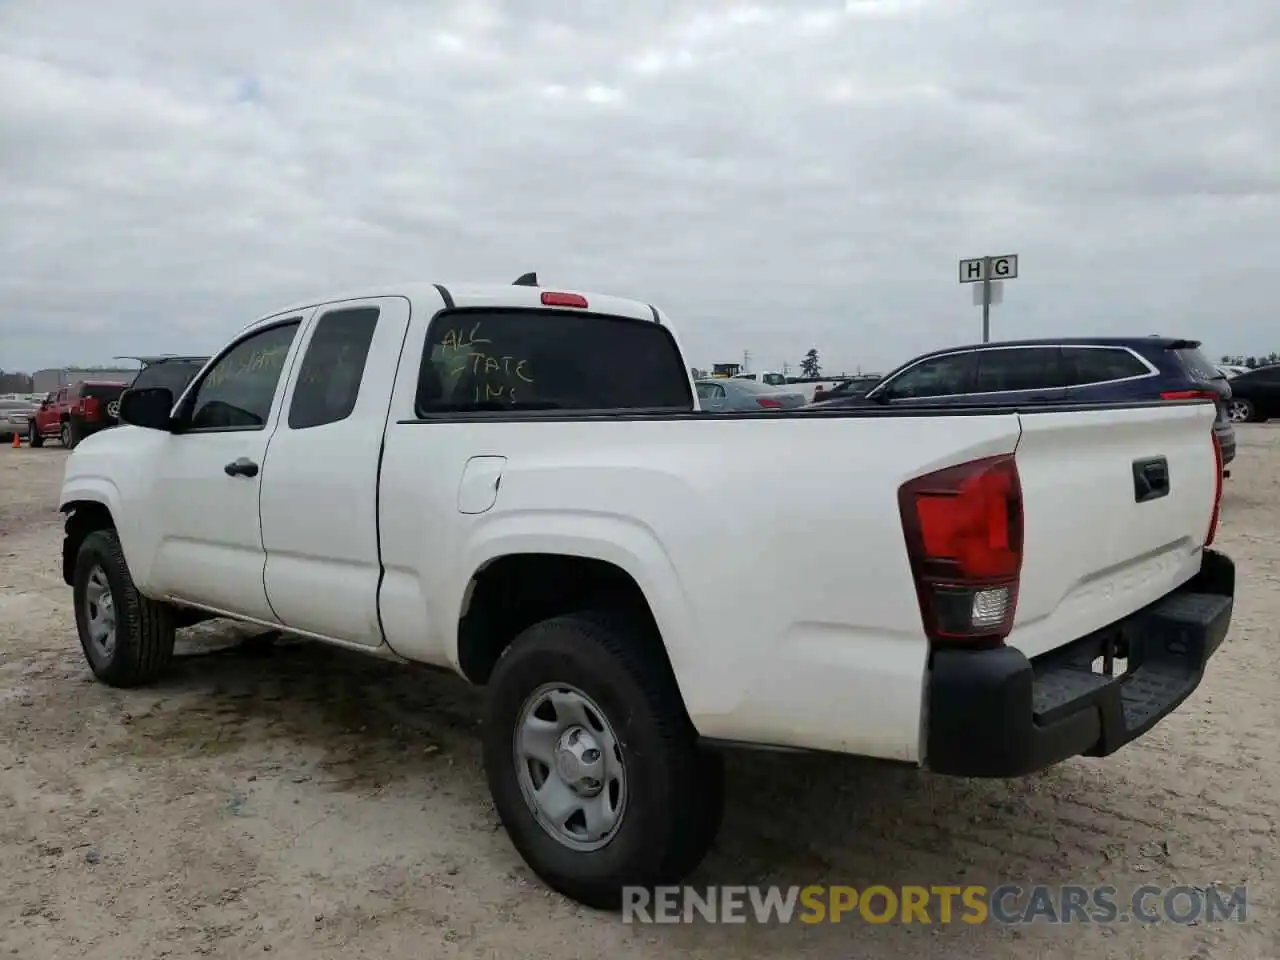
[
  {"x": 593, "y": 763},
  {"x": 33, "y": 436},
  {"x": 127, "y": 639}
]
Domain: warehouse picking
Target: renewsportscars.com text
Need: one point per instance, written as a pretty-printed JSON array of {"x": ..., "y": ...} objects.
[{"x": 971, "y": 904}]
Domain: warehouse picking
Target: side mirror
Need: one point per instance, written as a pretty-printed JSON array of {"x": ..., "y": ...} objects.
[{"x": 147, "y": 407}]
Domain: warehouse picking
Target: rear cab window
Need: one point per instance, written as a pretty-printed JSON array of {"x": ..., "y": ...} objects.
[
  {"x": 751, "y": 386},
  {"x": 106, "y": 392},
  {"x": 479, "y": 360}
]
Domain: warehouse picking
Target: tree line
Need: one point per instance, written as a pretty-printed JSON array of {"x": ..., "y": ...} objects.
[{"x": 1250, "y": 362}]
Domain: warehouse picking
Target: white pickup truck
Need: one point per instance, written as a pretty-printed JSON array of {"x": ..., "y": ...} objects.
[{"x": 515, "y": 483}]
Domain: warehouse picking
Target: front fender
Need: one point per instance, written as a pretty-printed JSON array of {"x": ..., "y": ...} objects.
[
  {"x": 620, "y": 540},
  {"x": 101, "y": 490}
]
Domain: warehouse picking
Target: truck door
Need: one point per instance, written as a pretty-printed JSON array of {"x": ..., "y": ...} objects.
[
  {"x": 319, "y": 488},
  {"x": 206, "y": 485}
]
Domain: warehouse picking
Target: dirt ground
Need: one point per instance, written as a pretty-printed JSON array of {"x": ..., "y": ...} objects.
[{"x": 311, "y": 803}]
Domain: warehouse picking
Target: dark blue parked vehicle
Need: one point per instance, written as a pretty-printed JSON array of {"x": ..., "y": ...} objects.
[{"x": 1064, "y": 370}]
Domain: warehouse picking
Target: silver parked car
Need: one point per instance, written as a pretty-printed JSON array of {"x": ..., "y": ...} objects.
[
  {"x": 14, "y": 416},
  {"x": 720, "y": 396}
]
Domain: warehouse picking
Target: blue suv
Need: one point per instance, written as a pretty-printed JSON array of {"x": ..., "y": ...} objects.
[{"x": 1092, "y": 369}]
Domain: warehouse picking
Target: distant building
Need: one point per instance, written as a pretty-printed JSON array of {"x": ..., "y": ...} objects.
[{"x": 53, "y": 378}]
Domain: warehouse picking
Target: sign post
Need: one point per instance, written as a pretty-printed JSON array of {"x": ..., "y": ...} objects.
[{"x": 991, "y": 272}]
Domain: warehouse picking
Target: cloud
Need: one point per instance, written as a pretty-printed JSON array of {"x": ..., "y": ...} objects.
[{"x": 777, "y": 175}]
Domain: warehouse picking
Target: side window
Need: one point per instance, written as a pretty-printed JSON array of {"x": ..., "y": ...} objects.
[
  {"x": 1085, "y": 365},
  {"x": 1021, "y": 368},
  {"x": 938, "y": 377},
  {"x": 237, "y": 391},
  {"x": 504, "y": 360},
  {"x": 775, "y": 379},
  {"x": 705, "y": 390},
  {"x": 332, "y": 368}
]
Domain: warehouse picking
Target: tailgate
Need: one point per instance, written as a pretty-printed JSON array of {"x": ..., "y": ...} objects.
[{"x": 1117, "y": 508}]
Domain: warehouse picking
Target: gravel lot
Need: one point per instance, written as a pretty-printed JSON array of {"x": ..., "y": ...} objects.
[{"x": 311, "y": 803}]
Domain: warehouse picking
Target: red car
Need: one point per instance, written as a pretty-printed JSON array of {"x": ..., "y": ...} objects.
[{"x": 72, "y": 413}]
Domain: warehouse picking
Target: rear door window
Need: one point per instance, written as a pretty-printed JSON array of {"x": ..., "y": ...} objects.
[
  {"x": 1017, "y": 369},
  {"x": 1085, "y": 365},
  {"x": 332, "y": 369},
  {"x": 516, "y": 359}
]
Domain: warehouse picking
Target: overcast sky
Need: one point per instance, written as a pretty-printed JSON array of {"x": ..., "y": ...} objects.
[{"x": 776, "y": 176}]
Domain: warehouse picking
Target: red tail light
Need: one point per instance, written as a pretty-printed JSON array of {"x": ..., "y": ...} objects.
[
  {"x": 1188, "y": 395},
  {"x": 90, "y": 407},
  {"x": 563, "y": 300},
  {"x": 1217, "y": 491},
  {"x": 769, "y": 403},
  {"x": 963, "y": 527}
]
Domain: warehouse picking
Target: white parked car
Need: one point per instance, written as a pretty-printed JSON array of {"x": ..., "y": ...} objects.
[{"x": 466, "y": 476}]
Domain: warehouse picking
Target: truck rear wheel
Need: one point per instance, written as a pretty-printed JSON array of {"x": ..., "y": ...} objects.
[
  {"x": 127, "y": 639},
  {"x": 593, "y": 764},
  {"x": 33, "y": 436},
  {"x": 67, "y": 435}
]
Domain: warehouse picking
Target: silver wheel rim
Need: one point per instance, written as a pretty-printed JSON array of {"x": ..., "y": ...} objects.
[
  {"x": 65, "y": 434},
  {"x": 1238, "y": 411},
  {"x": 100, "y": 612},
  {"x": 569, "y": 766}
]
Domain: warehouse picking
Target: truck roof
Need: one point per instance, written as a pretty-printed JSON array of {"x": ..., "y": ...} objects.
[{"x": 470, "y": 294}]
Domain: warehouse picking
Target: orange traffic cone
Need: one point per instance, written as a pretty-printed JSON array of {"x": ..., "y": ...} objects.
[{"x": 17, "y": 441}]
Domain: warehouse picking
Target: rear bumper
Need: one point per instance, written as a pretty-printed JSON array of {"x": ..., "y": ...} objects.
[{"x": 994, "y": 713}]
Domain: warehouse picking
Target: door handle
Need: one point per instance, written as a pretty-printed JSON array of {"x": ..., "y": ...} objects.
[
  {"x": 244, "y": 467},
  {"x": 1150, "y": 479}
]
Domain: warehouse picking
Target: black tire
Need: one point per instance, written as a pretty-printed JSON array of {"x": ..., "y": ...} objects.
[
  {"x": 675, "y": 789},
  {"x": 33, "y": 437},
  {"x": 67, "y": 435},
  {"x": 144, "y": 628}
]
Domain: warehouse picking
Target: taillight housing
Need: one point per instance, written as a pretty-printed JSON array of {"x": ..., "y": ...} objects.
[
  {"x": 1188, "y": 395},
  {"x": 1217, "y": 491},
  {"x": 90, "y": 407},
  {"x": 769, "y": 403},
  {"x": 964, "y": 528}
]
